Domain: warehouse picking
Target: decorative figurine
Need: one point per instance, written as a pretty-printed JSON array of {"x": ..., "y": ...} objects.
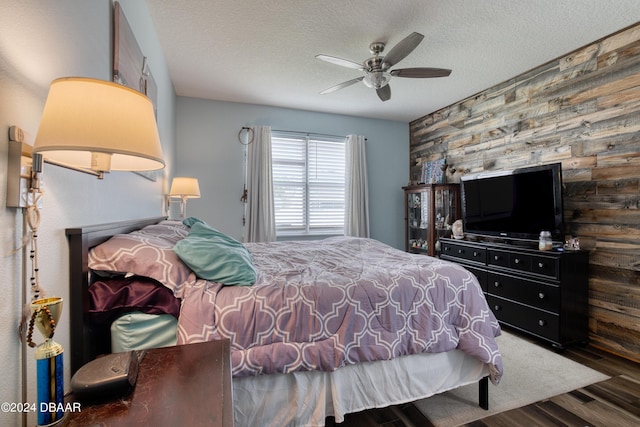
[{"x": 457, "y": 230}]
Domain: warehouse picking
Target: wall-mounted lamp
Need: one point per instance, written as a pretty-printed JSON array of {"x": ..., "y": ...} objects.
[
  {"x": 183, "y": 188},
  {"x": 96, "y": 126},
  {"x": 92, "y": 126}
]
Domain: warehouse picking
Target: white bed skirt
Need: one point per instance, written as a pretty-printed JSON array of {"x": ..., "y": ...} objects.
[{"x": 307, "y": 398}]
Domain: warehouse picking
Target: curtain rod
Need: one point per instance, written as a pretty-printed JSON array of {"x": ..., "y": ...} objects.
[{"x": 304, "y": 133}]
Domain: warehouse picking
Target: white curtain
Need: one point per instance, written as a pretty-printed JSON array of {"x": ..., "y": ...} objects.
[
  {"x": 357, "y": 188},
  {"x": 261, "y": 223}
]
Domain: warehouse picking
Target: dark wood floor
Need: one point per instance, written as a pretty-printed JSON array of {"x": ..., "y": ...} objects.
[{"x": 614, "y": 402}]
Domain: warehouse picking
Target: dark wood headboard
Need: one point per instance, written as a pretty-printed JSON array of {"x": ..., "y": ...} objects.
[{"x": 87, "y": 340}]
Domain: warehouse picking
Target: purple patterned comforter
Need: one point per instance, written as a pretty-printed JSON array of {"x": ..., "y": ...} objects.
[{"x": 320, "y": 305}]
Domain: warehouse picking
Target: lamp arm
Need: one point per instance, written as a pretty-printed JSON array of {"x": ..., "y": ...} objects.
[{"x": 98, "y": 174}]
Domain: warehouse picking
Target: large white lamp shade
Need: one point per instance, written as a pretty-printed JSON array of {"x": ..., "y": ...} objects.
[{"x": 86, "y": 122}]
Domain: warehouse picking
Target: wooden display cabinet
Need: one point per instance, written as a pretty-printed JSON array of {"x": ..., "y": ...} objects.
[{"x": 429, "y": 211}]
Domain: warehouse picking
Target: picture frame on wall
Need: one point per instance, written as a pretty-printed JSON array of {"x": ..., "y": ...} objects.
[
  {"x": 433, "y": 172},
  {"x": 131, "y": 67}
]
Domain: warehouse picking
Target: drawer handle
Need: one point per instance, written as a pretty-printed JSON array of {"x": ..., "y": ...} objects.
[
  {"x": 541, "y": 295},
  {"x": 475, "y": 253},
  {"x": 541, "y": 322},
  {"x": 541, "y": 265},
  {"x": 497, "y": 307},
  {"x": 517, "y": 261},
  {"x": 496, "y": 257},
  {"x": 496, "y": 284},
  {"x": 460, "y": 251}
]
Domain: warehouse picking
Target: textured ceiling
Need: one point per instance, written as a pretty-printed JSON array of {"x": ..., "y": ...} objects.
[{"x": 263, "y": 52}]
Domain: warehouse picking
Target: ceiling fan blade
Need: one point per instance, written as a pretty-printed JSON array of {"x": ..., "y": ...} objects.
[
  {"x": 402, "y": 49},
  {"x": 420, "y": 72},
  {"x": 384, "y": 93},
  {"x": 342, "y": 85},
  {"x": 340, "y": 61}
]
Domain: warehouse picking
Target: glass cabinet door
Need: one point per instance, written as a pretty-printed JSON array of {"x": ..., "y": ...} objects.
[
  {"x": 446, "y": 208},
  {"x": 417, "y": 220},
  {"x": 429, "y": 212}
]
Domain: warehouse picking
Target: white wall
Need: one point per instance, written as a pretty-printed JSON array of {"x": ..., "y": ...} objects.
[
  {"x": 208, "y": 149},
  {"x": 40, "y": 41}
]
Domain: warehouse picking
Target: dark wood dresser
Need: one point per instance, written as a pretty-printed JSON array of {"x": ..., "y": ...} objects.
[
  {"x": 543, "y": 293},
  {"x": 182, "y": 385}
]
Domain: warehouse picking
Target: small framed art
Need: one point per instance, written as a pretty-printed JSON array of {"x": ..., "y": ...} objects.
[{"x": 433, "y": 172}]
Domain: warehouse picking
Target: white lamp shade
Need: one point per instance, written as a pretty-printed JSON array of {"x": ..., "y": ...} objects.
[
  {"x": 83, "y": 117},
  {"x": 185, "y": 187}
]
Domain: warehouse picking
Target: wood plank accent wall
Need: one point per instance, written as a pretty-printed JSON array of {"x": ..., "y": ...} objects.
[{"x": 582, "y": 110}]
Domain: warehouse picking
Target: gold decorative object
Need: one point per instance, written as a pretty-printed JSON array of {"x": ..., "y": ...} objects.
[{"x": 45, "y": 314}]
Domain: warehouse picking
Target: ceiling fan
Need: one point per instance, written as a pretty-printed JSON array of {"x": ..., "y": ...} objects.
[{"x": 376, "y": 68}]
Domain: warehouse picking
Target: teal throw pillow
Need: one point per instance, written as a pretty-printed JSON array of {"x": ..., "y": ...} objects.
[{"x": 212, "y": 255}]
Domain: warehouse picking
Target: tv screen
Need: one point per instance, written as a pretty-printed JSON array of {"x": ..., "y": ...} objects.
[{"x": 516, "y": 204}]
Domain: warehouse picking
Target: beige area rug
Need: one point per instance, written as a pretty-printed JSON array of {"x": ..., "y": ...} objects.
[{"x": 531, "y": 373}]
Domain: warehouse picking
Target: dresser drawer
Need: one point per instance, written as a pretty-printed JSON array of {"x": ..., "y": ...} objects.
[
  {"x": 464, "y": 252},
  {"x": 538, "y": 322},
  {"x": 530, "y": 292},
  {"x": 513, "y": 260},
  {"x": 547, "y": 266},
  {"x": 498, "y": 258}
]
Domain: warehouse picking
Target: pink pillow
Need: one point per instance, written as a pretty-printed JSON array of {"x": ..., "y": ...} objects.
[{"x": 147, "y": 252}]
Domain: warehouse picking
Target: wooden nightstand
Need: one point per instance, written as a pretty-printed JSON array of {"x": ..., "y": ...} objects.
[{"x": 182, "y": 385}]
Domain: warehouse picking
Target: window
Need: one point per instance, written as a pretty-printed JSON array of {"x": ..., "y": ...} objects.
[{"x": 308, "y": 183}]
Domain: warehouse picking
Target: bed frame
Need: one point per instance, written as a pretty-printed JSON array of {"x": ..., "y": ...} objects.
[{"x": 89, "y": 340}]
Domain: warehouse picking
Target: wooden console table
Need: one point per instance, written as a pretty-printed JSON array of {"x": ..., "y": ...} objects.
[{"x": 181, "y": 385}]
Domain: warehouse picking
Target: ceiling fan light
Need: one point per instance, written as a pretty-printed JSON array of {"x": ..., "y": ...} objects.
[{"x": 377, "y": 79}]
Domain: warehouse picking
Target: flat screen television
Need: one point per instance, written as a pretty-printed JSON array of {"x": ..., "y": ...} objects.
[{"x": 516, "y": 204}]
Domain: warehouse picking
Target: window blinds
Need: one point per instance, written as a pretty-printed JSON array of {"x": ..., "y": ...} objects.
[{"x": 309, "y": 183}]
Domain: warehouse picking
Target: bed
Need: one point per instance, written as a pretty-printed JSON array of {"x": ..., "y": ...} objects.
[{"x": 328, "y": 328}]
